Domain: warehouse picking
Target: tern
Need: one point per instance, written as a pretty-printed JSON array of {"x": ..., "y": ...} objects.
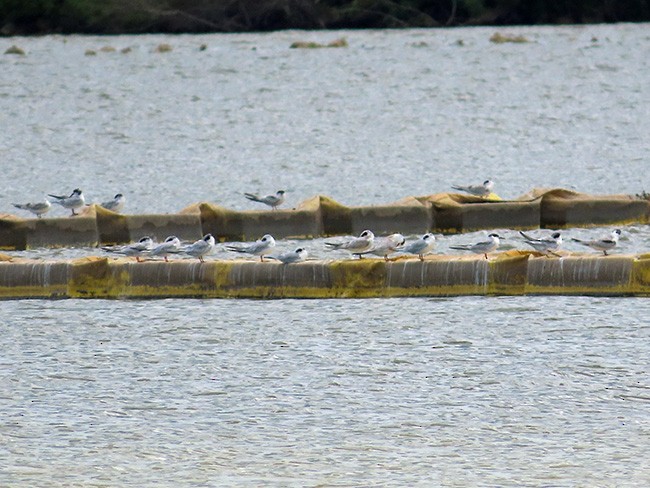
[
  {"x": 171, "y": 246},
  {"x": 546, "y": 244},
  {"x": 422, "y": 246},
  {"x": 383, "y": 246},
  {"x": 273, "y": 201},
  {"x": 132, "y": 250},
  {"x": 483, "y": 247},
  {"x": 201, "y": 248},
  {"x": 72, "y": 202},
  {"x": 356, "y": 245},
  {"x": 259, "y": 248},
  {"x": 116, "y": 204},
  {"x": 38, "y": 209},
  {"x": 605, "y": 244},
  {"x": 296, "y": 256},
  {"x": 483, "y": 190}
]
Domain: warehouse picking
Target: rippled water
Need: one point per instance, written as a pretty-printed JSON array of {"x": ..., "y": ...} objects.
[
  {"x": 517, "y": 391},
  {"x": 396, "y": 113},
  {"x": 414, "y": 392}
]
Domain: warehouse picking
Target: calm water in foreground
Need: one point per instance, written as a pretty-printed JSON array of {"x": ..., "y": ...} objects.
[{"x": 523, "y": 391}]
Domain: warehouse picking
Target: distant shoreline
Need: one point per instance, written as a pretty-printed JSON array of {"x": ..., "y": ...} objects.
[{"x": 236, "y": 16}]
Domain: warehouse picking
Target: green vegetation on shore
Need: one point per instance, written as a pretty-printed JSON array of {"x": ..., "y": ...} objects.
[{"x": 176, "y": 16}]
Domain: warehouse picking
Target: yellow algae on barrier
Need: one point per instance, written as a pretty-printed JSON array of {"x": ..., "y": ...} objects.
[
  {"x": 640, "y": 281},
  {"x": 358, "y": 278},
  {"x": 95, "y": 277},
  {"x": 509, "y": 273}
]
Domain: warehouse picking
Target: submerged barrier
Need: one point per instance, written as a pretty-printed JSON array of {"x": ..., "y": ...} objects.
[
  {"x": 321, "y": 216},
  {"x": 508, "y": 273}
]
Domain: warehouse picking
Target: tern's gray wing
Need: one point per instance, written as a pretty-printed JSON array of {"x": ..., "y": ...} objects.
[
  {"x": 527, "y": 237},
  {"x": 462, "y": 247},
  {"x": 246, "y": 248},
  {"x": 111, "y": 205},
  {"x": 197, "y": 248},
  {"x": 164, "y": 248},
  {"x": 357, "y": 244},
  {"x": 40, "y": 207},
  {"x": 482, "y": 246},
  {"x": 257, "y": 247},
  {"x": 460, "y": 188},
  {"x": 416, "y": 247},
  {"x": 380, "y": 245},
  {"x": 288, "y": 258}
]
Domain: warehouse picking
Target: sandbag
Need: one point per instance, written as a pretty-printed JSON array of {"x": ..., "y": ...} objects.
[
  {"x": 565, "y": 208},
  {"x": 229, "y": 225},
  {"x": 454, "y": 213},
  {"x": 406, "y": 216}
]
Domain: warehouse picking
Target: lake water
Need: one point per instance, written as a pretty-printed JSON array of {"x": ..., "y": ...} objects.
[
  {"x": 414, "y": 392},
  {"x": 396, "y": 113},
  {"x": 513, "y": 391}
]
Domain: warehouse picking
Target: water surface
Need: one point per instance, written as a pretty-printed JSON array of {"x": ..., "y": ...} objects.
[{"x": 412, "y": 392}]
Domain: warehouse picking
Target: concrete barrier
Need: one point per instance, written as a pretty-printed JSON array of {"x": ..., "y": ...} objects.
[
  {"x": 114, "y": 228},
  {"x": 565, "y": 208},
  {"x": 453, "y": 213},
  {"x": 20, "y": 234},
  {"x": 230, "y": 225},
  {"x": 508, "y": 273},
  {"x": 321, "y": 216}
]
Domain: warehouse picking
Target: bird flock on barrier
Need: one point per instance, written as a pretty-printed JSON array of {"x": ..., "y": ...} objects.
[{"x": 363, "y": 245}]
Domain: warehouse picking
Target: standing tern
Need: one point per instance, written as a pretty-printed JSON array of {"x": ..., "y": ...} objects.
[
  {"x": 72, "y": 202},
  {"x": 483, "y": 190},
  {"x": 38, "y": 209},
  {"x": 545, "y": 244},
  {"x": 259, "y": 248},
  {"x": 201, "y": 248},
  {"x": 273, "y": 201},
  {"x": 171, "y": 246},
  {"x": 132, "y": 250},
  {"x": 383, "y": 246},
  {"x": 605, "y": 244},
  {"x": 356, "y": 245},
  {"x": 116, "y": 204},
  {"x": 422, "y": 246},
  {"x": 483, "y": 247}
]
